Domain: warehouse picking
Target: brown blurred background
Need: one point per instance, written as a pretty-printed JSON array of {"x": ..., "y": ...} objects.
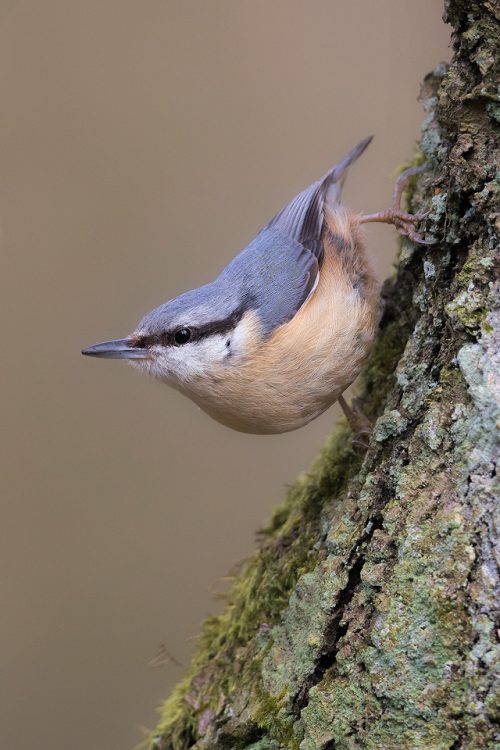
[{"x": 142, "y": 145}]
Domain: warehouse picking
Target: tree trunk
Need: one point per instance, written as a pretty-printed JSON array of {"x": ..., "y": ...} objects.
[{"x": 366, "y": 617}]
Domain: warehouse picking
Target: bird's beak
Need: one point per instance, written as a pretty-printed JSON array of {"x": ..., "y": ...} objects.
[{"x": 118, "y": 349}]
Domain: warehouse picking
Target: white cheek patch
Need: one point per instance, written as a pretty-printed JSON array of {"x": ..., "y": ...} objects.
[
  {"x": 201, "y": 359},
  {"x": 246, "y": 335},
  {"x": 182, "y": 364}
]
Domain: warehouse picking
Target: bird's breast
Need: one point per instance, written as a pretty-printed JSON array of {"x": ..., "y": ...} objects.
[{"x": 286, "y": 381}]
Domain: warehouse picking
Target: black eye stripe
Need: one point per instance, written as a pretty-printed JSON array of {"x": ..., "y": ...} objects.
[
  {"x": 197, "y": 332},
  {"x": 218, "y": 326}
]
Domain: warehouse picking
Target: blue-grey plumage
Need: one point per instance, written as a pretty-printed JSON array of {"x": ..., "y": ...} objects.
[
  {"x": 275, "y": 273},
  {"x": 283, "y": 330}
]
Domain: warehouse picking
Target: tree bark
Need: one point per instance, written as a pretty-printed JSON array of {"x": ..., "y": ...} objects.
[{"x": 366, "y": 617}]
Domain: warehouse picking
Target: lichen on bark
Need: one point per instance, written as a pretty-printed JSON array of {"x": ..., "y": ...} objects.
[{"x": 366, "y": 616}]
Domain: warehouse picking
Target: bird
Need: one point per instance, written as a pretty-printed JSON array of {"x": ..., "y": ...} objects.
[{"x": 277, "y": 337}]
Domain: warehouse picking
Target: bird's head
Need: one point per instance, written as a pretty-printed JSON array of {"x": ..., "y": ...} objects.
[{"x": 188, "y": 339}]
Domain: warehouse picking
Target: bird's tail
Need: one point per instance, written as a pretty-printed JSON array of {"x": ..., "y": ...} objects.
[
  {"x": 351, "y": 157},
  {"x": 302, "y": 218},
  {"x": 335, "y": 178}
]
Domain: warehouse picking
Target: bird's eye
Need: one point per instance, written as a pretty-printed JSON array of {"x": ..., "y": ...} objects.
[{"x": 182, "y": 336}]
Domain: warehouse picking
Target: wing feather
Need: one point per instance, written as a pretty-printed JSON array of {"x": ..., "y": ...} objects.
[
  {"x": 302, "y": 219},
  {"x": 277, "y": 272}
]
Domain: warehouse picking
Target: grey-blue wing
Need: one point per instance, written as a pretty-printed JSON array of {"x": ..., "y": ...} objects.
[
  {"x": 278, "y": 270},
  {"x": 302, "y": 218},
  {"x": 274, "y": 276}
]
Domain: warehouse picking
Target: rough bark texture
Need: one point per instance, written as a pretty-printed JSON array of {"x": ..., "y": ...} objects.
[{"x": 366, "y": 617}]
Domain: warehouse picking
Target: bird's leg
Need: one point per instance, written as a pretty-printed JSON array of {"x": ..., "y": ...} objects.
[
  {"x": 358, "y": 421},
  {"x": 404, "y": 222}
]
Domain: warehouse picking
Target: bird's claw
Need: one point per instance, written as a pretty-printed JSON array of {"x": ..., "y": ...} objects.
[
  {"x": 402, "y": 220},
  {"x": 405, "y": 224},
  {"x": 358, "y": 421}
]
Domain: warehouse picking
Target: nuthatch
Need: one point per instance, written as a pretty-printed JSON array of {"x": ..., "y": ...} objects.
[{"x": 284, "y": 329}]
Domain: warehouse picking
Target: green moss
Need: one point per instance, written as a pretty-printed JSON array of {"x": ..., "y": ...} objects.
[
  {"x": 378, "y": 375},
  {"x": 177, "y": 720},
  {"x": 258, "y": 595}
]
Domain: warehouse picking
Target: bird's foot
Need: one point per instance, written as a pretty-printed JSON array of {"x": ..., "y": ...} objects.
[
  {"x": 403, "y": 221},
  {"x": 358, "y": 421}
]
